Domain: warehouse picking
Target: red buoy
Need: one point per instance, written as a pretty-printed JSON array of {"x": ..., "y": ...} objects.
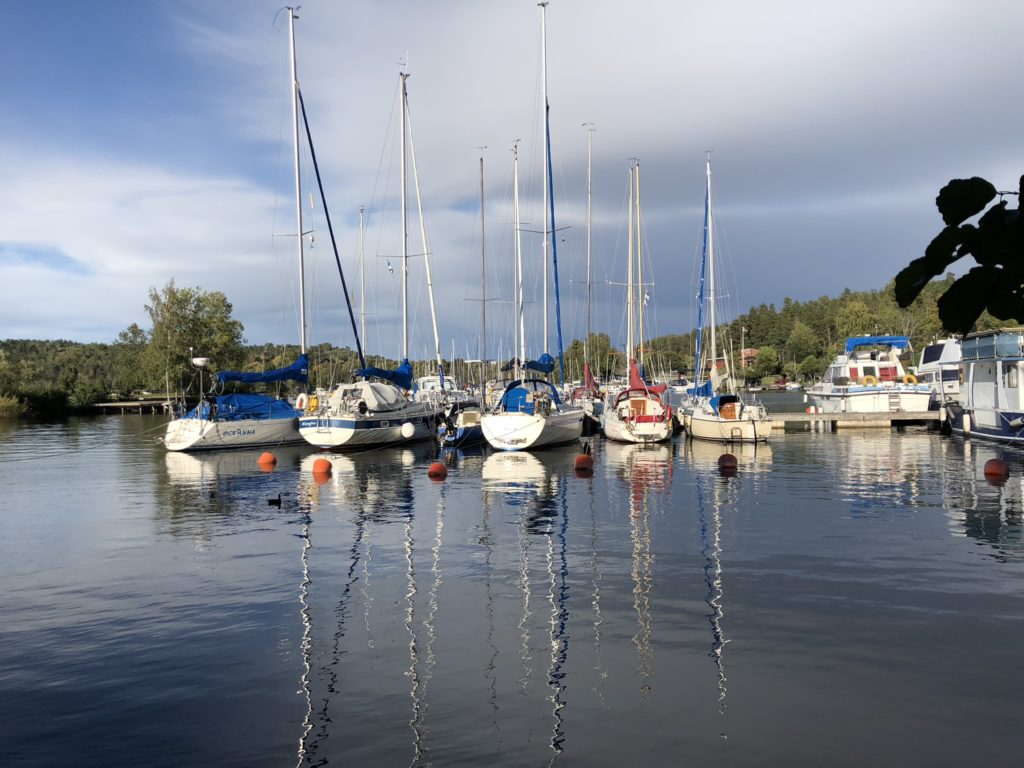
[
  {"x": 997, "y": 469},
  {"x": 584, "y": 461},
  {"x": 266, "y": 459},
  {"x": 322, "y": 467},
  {"x": 437, "y": 471}
]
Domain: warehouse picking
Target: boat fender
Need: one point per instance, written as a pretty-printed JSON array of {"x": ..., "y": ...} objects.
[
  {"x": 869, "y": 380},
  {"x": 300, "y": 401},
  {"x": 314, "y": 403},
  {"x": 910, "y": 379},
  {"x": 362, "y": 408}
]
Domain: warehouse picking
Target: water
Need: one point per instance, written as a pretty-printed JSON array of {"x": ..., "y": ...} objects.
[{"x": 846, "y": 598}]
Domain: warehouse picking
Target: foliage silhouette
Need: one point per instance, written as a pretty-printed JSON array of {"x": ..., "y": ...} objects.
[{"x": 996, "y": 242}]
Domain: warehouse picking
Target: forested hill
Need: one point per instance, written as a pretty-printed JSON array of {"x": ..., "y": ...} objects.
[{"x": 797, "y": 339}]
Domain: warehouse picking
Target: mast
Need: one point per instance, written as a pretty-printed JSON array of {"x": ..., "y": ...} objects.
[
  {"x": 520, "y": 352},
  {"x": 710, "y": 235},
  {"x": 405, "y": 226},
  {"x": 425, "y": 243},
  {"x": 639, "y": 273},
  {"x": 547, "y": 154},
  {"x": 483, "y": 279},
  {"x": 590, "y": 148},
  {"x": 630, "y": 308},
  {"x": 298, "y": 180},
  {"x": 362, "y": 276},
  {"x": 700, "y": 293}
]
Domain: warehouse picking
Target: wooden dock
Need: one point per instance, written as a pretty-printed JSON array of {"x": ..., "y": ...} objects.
[
  {"x": 834, "y": 421},
  {"x": 144, "y": 405}
]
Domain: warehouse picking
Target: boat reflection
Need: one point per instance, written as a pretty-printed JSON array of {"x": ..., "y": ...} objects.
[
  {"x": 750, "y": 457},
  {"x": 536, "y": 485},
  {"x": 647, "y": 470},
  {"x": 989, "y": 510},
  {"x": 713, "y": 495}
]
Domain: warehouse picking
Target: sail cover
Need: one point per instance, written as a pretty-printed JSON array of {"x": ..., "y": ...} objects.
[
  {"x": 636, "y": 380},
  {"x": 544, "y": 364},
  {"x": 401, "y": 377},
  {"x": 297, "y": 371}
]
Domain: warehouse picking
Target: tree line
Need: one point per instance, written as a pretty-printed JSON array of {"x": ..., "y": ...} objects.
[{"x": 797, "y": 340}]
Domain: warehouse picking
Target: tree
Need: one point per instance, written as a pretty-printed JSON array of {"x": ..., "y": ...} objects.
[
  {"x": 996, "y": 242},
  {"x": 186, "y": 322},
  {"x": 802, "y": 341},
  {"x": 767, "y": 362}
]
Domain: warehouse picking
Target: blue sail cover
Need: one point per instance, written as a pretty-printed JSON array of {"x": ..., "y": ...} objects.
[
  {"x": 704, "y": 390},
  {"x": 900, "y": 342},
  {"x": 243, "y": 406},
  {"x": 297, "y": 371},
  {"x": 544, "y": 364},
  {"x": 401, "y": 377}
]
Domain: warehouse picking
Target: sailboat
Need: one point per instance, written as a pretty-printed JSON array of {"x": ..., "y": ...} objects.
[
  {"x": 707, "y": 413},
  {"x": 239, "y": 420},
  {"x": 530, "y": 412},
  {"x": 377, "y": 412},
  {"x": 637, "y": 413}
]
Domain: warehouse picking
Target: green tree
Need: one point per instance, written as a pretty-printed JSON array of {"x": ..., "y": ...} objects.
[
  {"x": 802, "y": 341},
  {"x": 190, "y": 322},
  {"x": 812, "y": 367},
  {"x": 767, "y": 362}
]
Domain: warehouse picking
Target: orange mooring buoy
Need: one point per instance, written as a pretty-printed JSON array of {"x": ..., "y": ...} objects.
[
  {"x": 266, "y": 459},
  {"x": 727, "y": 464},
  {"x": 584, "y": 461},
  {"x": 322, "y": 467},
  {"x": 437, "y": 471},
  {"x": 997, "y": 468}
]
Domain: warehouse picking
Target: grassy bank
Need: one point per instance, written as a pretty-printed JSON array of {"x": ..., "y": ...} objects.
[{"x": 11, "y": 407}]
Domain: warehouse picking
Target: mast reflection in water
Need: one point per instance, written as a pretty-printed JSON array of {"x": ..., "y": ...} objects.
[{"x": 853, "y": 589}]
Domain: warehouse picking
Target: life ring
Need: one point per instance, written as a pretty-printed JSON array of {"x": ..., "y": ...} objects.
[
  {"x": 300, "y": 401},
  {"x": 910, "y": 379},
  {"x": 869, "y": 380}
]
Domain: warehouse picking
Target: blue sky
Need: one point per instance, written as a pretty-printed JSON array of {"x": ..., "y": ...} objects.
[{"x": 145, "y": 141}]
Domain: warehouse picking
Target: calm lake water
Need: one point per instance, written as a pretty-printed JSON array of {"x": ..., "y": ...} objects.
[{"x": 845, "y": 599}]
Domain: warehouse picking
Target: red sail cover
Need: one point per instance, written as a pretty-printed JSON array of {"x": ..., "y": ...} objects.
[
  {"x": 635, "y": 382},
  {"x": 588, "y": 379}
]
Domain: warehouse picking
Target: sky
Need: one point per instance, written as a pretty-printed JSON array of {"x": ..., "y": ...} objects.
[{"x": 145, "y": 141}]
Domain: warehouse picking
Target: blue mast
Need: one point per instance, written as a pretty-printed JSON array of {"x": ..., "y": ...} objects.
[{"x": 700, "y": 293}]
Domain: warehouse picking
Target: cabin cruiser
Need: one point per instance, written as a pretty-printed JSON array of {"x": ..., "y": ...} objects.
[
  {"x": 868, "y": 377},
  {"x": 990, "y": 405},
  {"x": 940, "y": 369}
]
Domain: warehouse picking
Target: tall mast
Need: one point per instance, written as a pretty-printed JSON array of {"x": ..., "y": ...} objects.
[
  {"x": 711, "y": 273},
  {"x": 520, "y": 320},
  {"x": 362, "y": 276},
  {"x": 405, "y": 227},
  {"x": 590, "y": 148},
  {"x": 298, "y": 182},
  {"x": 630, "y": 308},
  {"x": 547, "y": 151},
  {"x": 639, "y": 270},
  {"x": 483, "y": 279},
  {"x": 423, "y": 240}
]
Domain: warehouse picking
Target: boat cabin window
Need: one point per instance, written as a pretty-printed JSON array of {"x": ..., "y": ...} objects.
[
  {"x": 829, "y": 374},
  {"x": 1010, "y": 376},
  {"x": 887, "y": 373},
  {"x": 931, "y": 354},
  {"x": 869, "y": 370}
]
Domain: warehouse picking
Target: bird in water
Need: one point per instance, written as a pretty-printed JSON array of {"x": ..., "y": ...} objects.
[{"x": 275, "y": 502}]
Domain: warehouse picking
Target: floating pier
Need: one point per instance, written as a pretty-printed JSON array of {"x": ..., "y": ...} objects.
[{"x": 834, "y": 421}]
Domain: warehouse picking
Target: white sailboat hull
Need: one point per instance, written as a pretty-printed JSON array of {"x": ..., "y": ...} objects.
[
  {"x": 415, "y": 423},
  {"x": 632, "y": 431},
  {"x": 520, "y": 431},
  {"x": 708, "y": 426},
  {"x": 189, "y": 434}
]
